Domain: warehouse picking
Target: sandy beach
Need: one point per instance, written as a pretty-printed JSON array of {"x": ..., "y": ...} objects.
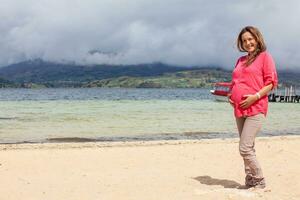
[{"x": 188, "y": 169}]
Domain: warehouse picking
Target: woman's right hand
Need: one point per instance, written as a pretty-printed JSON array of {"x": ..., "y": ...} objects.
[{"x": 229, "y": 100}]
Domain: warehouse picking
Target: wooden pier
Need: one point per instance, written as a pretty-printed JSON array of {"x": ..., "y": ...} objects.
[{"x": 288, "y": 96}]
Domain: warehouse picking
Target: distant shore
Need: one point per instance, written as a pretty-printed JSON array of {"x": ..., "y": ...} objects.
[{"x": 178, "y": 169}]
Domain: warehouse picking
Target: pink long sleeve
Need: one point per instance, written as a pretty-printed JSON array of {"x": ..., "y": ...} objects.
[{"x": 249, "y": 80}]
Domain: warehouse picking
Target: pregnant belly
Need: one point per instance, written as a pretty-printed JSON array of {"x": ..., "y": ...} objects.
[{"x": 237, "y": 93}]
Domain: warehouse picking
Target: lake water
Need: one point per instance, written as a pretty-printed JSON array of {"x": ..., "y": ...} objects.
[{"x": 54, "y": 115}]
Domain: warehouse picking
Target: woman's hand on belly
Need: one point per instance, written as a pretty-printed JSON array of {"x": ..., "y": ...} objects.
[{"x": 247, "y": 101}]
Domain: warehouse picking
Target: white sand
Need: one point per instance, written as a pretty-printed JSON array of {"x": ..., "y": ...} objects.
[{"x": 206, "y": 169}]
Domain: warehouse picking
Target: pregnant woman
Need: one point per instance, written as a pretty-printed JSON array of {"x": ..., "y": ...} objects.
[{"x": 252, "y": 78}]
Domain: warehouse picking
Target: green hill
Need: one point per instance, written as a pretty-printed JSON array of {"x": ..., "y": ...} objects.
[
  {"x": 7, "y": 84},
  {"x": 39, "y": 73},
  {"x": 186, "y": 79}
]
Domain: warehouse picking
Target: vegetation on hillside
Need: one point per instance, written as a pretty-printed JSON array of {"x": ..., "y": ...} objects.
[
  {"x": 184, "y": 79},
  {"x": 7, "y": 84},
  {"x": 41, "y": 74}
]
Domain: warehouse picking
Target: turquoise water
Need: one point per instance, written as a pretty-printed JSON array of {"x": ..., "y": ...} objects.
[{"x": 126, "y": 119}]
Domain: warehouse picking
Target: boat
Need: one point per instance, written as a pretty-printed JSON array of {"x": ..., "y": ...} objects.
[{"x": 221, "y": 90}]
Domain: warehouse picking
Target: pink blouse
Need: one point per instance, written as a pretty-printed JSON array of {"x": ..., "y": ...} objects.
[{"x": 249, "y": 80}]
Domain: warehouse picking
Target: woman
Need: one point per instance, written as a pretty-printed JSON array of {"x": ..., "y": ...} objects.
[{"x": 253, "y": 77}]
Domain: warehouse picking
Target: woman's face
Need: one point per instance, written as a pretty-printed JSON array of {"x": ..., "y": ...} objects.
[{"x": 249, "y": 43}]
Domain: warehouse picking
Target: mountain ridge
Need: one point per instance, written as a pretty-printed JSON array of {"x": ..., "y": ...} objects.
[{"x": 39, "y": 73}]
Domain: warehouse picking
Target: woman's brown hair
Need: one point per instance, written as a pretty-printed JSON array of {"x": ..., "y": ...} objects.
[{"x": 261, "y": 46}]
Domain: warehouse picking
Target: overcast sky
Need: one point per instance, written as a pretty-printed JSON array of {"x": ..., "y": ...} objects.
[{"x": 179, "y": 32}]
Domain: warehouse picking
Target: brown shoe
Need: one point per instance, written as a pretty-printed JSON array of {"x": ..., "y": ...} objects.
[
  {"x": 259, "y": 183},
  {"x": 249, "y": 181}
]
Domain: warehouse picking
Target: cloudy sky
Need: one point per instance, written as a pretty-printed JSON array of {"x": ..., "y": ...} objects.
[{"x": 179, "y": 32}]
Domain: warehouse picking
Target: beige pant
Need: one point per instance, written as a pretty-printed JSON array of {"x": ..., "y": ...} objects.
[{"x": 248, "y": 128}]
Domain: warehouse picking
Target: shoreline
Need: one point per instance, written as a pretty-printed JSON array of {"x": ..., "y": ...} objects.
[
  {"x": 141, "y": 143},
  {"x": 145, "y": 138}
]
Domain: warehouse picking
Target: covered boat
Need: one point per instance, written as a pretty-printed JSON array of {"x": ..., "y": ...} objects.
[{"x": 221, "y": 90}]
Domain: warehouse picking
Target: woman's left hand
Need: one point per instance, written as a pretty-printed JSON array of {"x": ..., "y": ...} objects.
[{"x": 250, "y": 99}]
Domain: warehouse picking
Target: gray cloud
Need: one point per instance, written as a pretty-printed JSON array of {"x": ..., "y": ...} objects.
[{"x": 180, "y": 32}]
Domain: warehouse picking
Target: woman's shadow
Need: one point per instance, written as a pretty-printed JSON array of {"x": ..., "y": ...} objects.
[{"x": 207, "y": 180}]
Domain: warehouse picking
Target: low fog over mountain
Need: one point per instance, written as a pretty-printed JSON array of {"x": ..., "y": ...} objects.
[{"x": 175, "y": 32}]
